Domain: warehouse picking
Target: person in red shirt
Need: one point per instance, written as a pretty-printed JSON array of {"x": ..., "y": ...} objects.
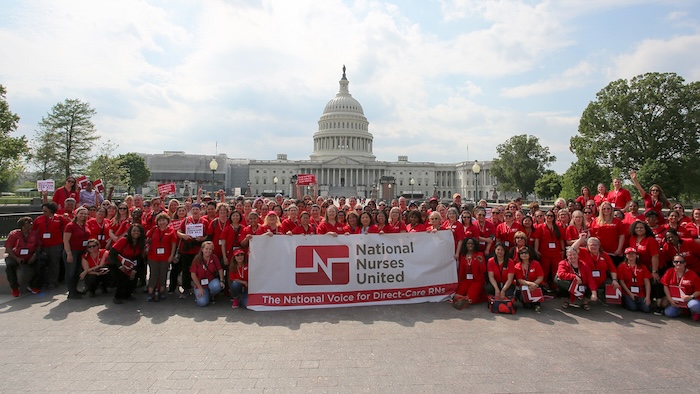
[
  {"x": 688, "y": 249},
  {"x": 487, "y": 231},
  {"x": 414, "y": 222},
  {"x": 68, "y": 190},
  {"x": 330, "y": 225},
  {"x": 99, "y": 227},
  {"x": 124, "y": 258},
  {"x": 693, "y": 226},
  {"x": 50, "y": 227},
  {"x": 189, "y": 232},
  {"x": 21, "y": 246},
  {"x": 119, "y": 224},
  {"x": 600, "y": 264},
  {"x": 654, "y": 200},
  {"x": 501, "y": 274},
  {"x": 611, "y": 233},
  {"x": 271, "y": 226},
  {"x": 528, "y": 273},
  {"x": 395, "y": 222},
  {"x": 633, "y": 214},
  {"x": 75, "y": 239},
  {"x": 238, "y": 275},
  {"x": 452, "y": 223},
  {"x": 305, "y": 226},
  {"x": 585, "y": 196},
  {"x": 688, "y": 282},
  {"x": 162, "y": 241},
  {"x": 471, "y": 275},
  {"x": 635, "y": 280},
  {"x": 505, "y": 231},
  {"x": 95, "y": 269},
  {"x": 250, "y": 230},
  {"x": 619, "y": 197},
  {"x": 232, "y": 237},
  {"x": 602, "y": 195},
  {"x": 549, "y": 246},
  {"x": 572, "y": 270},
  {"x": 207, "y": 274},
  {"x": 644, "y": 243},
  {"x": 576, "y": 227},
  {"x": 292, "y": 220},
  {"x": 216, "y": 228},
  {"x": 673, "y": 222},
  {"x": 382, "y": 220},
  {"x": 367, "y": 225}
]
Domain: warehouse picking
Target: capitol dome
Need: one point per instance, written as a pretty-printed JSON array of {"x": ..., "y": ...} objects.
[{"x": 343, "y": 129}]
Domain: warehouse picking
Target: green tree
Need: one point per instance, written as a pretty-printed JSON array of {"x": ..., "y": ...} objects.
[
  {"x": 44, "y": 155},
  {"x": 12, "y": 149},
  {"x": 521, "y": 162},
  {"x": 549, "y": 185},
  {"x": 107, "y": 167},
  {"x": 583, "y": 173},
  {"x": 137, "y": 173},
  {"x": 70, "y": 126},
  {"x": 653, "y": 118}
]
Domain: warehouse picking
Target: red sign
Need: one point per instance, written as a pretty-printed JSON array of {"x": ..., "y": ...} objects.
[
  {"x": 322, "y": 265},
  {"x": 166, "y": 188},
  {"x": 306, "y": 179},
  {"x": 99, "y": 186},
  {"x": 81, "y": 180},
  {"x": 677, "y": 295},
  {"x": 613, "y": 295}
]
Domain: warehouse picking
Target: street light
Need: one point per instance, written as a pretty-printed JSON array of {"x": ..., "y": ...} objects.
[
  {"x": 390, "y": 195},
  {"x": 213, "y": 165},
  {"x": 249, "y": 193},
  {"x": 411, "y": 182},
  {"x": 275, "y": 180},
  {"x": 476, "y": 169}
]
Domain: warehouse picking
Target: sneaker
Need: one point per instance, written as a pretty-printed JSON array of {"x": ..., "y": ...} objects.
[
  {"x": 696, "y": 316},
  {"x": 235, "y": 303},
  {"x": 149, "y": 298},
  {"x": 15, "y": 292},
  {"x": 34, "y": 290},
  {"x": 75, "y": 296}
]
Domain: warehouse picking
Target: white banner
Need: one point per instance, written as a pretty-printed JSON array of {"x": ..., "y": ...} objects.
[{"x": 321, "y": 271}]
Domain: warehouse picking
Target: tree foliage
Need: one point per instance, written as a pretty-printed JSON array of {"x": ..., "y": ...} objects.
[
  {"x": 583, "y": 173},
  {"x": 651, "y": 121},
  {"x": 521, "y": 162},
  {"x": 549, "y": 185},
  {"x": 69, "y": 125},
  {"x": 12, "y": 149},
  {"x": 107, "y": 167},
  {"x": 44, "y": 155},
  {"x": 134, "y": 166}
]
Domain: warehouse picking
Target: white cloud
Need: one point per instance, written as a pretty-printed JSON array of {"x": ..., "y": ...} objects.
[
  {"x": 574, "y": 77},
  {"x": 677, "y": 54}
]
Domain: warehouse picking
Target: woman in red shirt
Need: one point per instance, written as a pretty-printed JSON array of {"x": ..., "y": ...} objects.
[
  {"x": 22, "y": 246},
  {"x": 584, "y": 197},
  {"x": 292, "y": 219},
  {"x": 162, "y": 241},
  {"x": 353, "y": 225},
  {"x": 635, "y": 282},
  {"x": 501, "y": 273},
  {"x": 600, "y": 264},
  {"x": 207, "y": 274},
  {"x": 688, "y": 284},
  {"x": 414, "y": 222},
  {"x": 120, "y": 223},
  {"x": 471, "y": 275},
  {"x": 576, "y": 228},
  {"x": 366, "y": 225},
  {"x": 549, "y": 246},
  {"x": 95, "y": 267},
  {"x": 68, "y": 190},
  {"x": 217, "y": 226},
  {"x": 383, "y": 223},
  {"x": 571, "y": 271},
  {"x": 452, "y": 223},
  {"x": 238, "y": 275},
  {"x": 693, "y": 226},
  {"x": 528, "y": 273},
  {"x": 125, "y": 257},
  {"x": 610, "y": 231},
  {"x": 75, "y": 239},
  {"x": 506, "y": 230},
  {"x": 99, "y": 227},
  {"x": 395, "y": 222},
  {"x": 655, "y": 200},
  {"x": 673, "y": 223},
  {"x": 231, "y": 237},
  {"x": 50, "y": 227},
  {"x": 330, "y": 225}
]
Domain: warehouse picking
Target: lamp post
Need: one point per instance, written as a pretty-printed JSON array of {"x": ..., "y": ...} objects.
[
  {"x": 476, "y": 169},
  {"x": 435, "y": 192},
  {"x": 274, "y": 181},
  {"x": 411, "y": 182},
  {"x": 248, "y": 192},
  {"x": 390, "y": 195},
  {"x": 213, "y": 165}
]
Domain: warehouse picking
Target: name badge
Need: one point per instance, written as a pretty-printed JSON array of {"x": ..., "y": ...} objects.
[
  {"x": 85, "y": 243},
  {"x": 581, "y": 288},
  {"x": 470, "y": 276},
  {"x": 221, "y": 242},
  {"x": 100, "y": 237},
  {"x": 507, "y": 243},
  {"x": 596, "y": 273},
  {"x": 204, "y": 282},
  {"x": 634, "y": 289},
  {"x": 160, "y": 250},
  {"x": 46, "y": 235},
  {"x": 23, "y": 252},
  {"x": 552, "y": 245}
]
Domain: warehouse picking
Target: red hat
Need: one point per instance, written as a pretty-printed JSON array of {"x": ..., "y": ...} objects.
[
  {"x": 630, "y": 250},
  {"x": 237, "y": 252},
  {"x": 433, "y": 199}
]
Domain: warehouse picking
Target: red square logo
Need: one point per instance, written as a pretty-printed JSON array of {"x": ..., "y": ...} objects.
[{"x": 323, "y": 265}]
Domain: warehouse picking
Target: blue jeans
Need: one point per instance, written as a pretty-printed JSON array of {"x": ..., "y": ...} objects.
[
  {"x": 210, "y": 290},
  {"x": 632, "y": 305},
  {"x": 238, "y": 291},
  {"x": 672, "y": 311}
]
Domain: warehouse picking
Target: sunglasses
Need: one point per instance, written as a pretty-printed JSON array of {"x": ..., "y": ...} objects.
[
  {"x": 587, "y": 212},
  {"x": 678, "y": 262},
  {"x": 123, "y": 209},
  {"x": 92, "y": 246}
]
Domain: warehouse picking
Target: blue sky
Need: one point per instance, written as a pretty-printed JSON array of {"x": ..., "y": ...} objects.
[{"x": 440, "y": 81}]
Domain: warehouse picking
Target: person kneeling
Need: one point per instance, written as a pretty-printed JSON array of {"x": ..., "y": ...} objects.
[
  {"x": 529, "y": 275},
  {"x": 207, "y": 274},
  {"x": 239, "y": 279}
]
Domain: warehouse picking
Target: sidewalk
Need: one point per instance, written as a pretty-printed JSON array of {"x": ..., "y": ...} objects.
[{"x": 89, "y": 345}]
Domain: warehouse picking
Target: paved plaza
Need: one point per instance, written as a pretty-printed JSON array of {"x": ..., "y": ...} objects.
[{"x": 52, "y": 344}]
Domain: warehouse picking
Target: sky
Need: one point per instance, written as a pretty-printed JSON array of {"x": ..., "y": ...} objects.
[{"x": 440, "y": 81}]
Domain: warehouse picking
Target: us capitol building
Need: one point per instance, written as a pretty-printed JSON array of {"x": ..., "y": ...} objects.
[{"x": 342, "y": 162}]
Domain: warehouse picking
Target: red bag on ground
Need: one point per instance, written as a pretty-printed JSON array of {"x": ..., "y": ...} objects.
[{"x": 506, "y": 306}]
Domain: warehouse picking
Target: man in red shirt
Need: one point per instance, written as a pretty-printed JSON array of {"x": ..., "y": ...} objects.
[
  {"x": 619, "y": 197},
  {"x": 49, "y": 226},
  {"x": 22, "y": 245}
]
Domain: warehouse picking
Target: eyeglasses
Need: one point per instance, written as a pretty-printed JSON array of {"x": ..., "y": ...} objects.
[
  {"x": 508, "y": 216},
  {"x": 122, "y": 209},
  {"x": 677, "y": 207},
  {"x": 549, "y": 216},
  {"x": 539, "y": 216},
  {"x": 588, "y": 212},
  {"x": 92, "y": 246},
  {"x": 678, "y": 261},
  {"x": 654, "y": 190},
  {"x": 524, "y": 252}
]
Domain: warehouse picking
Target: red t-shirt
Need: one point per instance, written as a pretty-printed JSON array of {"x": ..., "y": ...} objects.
[
  {"x": 240, "y": 273},
  {"x": 533, "y": 272},
  {"x": 646, "y": 249},
  {"x": 206, "y": 270},
  {"x": 94, "y": 262},
  {"x": 24, "y": 248},
  {"x": 79, "y": 236},
  {"x": 215, "y": 231},
  {"x": 550, "y": 244},
  {"x": 326, "y": 227},
  {"x": 582, "y": 200},
  {"x": 289, "y": 225},
  {"x": 99, "y": 231},
  {"x": 418, "y": 228},
  {"x": 194, "y": 246},
  {"x": 681, "y": 230},
  {"x": 471, "y": 231},
  {"x": 608, "y": 234},
  {"x": 634, "y": 278},
  {"x": 473, "y": 268},
  {"x": 486, "y": 230},
  {"x": 396, "y": 227},
  {"x": 619, "y": 198},
  {"x": 505, "y": 233},
  {"x": 692, "y": 228},
  {"x": 50, "y": 230},
  {"x": 631, "y": 218},
  {"x": 566, "y": 271},
  {"x": 500, "y": 274},
  {"x": 572, "y": 233},
  {"x": 599, "y": 265},
  {"x": 690, "y": 250},
  {"x": 127, "y": 250},
  {"x": 162, "y": 243},
  {"x": 300, "y": 230},
  {"x": 657, "y": 206},
  {"x": 232, "y": 237},
  {"x": 61, "y": 195},
  {"x": 689, "y": 281}
]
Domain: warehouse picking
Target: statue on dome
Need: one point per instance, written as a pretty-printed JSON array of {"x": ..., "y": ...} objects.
[{"x": 343, "y": 71}]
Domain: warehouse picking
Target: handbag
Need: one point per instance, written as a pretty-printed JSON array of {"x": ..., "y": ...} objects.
[{"x": 506, "y": 306}]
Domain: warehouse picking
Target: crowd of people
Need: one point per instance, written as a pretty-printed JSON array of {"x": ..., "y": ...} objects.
[{"x": 650, "y": 256}]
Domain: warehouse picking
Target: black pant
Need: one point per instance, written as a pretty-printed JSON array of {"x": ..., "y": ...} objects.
[
  {"x": 124, "y": 284},
  {"x": 491, "y": 291},
  {"x": 11, "y": 268},
  {"x": 185, "y": 263},
  {"x": 92, "y": 282}
]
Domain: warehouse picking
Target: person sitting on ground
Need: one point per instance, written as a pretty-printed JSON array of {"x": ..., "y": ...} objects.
[
  {"x": 239, "y": 279},
  {"x": 207, "y": 274},
  {"x": 21, "y": 247},
  {"x": 95, "y": 268}
]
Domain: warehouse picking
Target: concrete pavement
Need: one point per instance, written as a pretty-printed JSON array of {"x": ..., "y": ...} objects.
[{"x": 91, "y": 345}]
